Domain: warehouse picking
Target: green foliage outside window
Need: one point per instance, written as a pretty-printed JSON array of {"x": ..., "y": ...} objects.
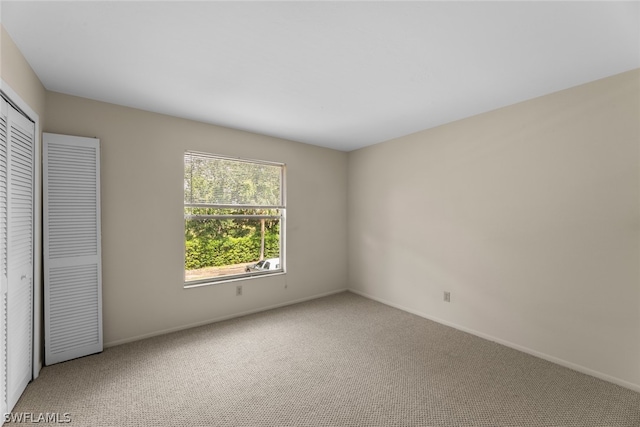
[{"x": 216, "y": 243}]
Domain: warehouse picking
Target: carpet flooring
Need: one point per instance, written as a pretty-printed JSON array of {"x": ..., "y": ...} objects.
[{"x": 342, "y": 360}]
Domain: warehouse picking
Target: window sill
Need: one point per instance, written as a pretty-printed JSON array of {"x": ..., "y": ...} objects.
[{"x": 243, "y": 277}]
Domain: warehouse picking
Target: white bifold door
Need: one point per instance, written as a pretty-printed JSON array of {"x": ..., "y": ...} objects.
[
  {"x": 72, "y": 253},
  {"x": 17, "y": 142}
]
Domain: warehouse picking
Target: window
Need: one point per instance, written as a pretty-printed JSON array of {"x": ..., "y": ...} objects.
[{"x": 234, "y": 213}]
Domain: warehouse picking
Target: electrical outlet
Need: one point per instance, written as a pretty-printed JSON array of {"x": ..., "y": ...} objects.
[
  {"x": 238, "y": 290},
  {"x": 447, "y": 296}
]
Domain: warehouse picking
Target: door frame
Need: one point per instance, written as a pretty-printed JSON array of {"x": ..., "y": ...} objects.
[{"x": 37, "y": 226}]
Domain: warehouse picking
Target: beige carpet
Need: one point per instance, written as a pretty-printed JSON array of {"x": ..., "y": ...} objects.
[{"x": 342, "y": 360}]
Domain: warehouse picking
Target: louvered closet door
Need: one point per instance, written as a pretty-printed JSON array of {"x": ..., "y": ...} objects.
[
  {"x": 4, "y": 110},
  {"x": 72, "y": 254},
  {"x": 18, "y": 257}
]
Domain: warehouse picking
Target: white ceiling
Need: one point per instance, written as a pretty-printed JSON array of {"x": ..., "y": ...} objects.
[{"x": 337, "y": 74}]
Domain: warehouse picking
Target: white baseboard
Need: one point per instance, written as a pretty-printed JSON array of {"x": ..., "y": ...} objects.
[
  {"x": 561, "y": 362},
  {"x": 220, "y": 319}
]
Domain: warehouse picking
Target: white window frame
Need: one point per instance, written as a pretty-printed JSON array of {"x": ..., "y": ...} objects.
[{"x": 281, "y": 217}]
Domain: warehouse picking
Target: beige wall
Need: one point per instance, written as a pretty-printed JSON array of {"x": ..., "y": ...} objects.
[
  {"x": 528, "y": 215},
  {"x": 142, "y": 217},
  {"x": 17, "y": 73}
]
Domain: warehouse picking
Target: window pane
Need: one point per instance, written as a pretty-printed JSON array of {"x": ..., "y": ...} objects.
[
  {"x": 224, "y": 247},
  {"x": 211, "y": 180}
]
